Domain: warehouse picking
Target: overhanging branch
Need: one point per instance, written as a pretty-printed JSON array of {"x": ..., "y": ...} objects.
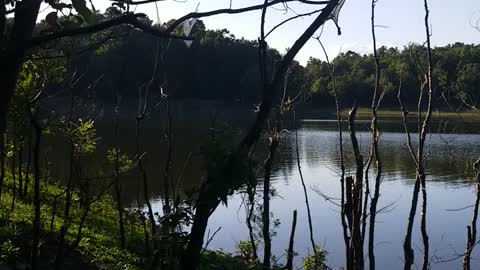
[
  {"x": 129, "y": 19},
  {"x": 238, "y": 10}
]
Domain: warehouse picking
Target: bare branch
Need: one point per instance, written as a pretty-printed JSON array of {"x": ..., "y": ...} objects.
[
  {"x": 131, "y": 19},
  {"x": 237, "y": 11}
]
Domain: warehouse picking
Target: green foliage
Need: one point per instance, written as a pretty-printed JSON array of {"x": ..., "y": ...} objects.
[
  {"x": 99, "y": 245},
  {"x": 244, "y": 249},
  {"x": 125, "y": 164},
  {"x": 83, "y": 134},
  {"x": 8, "y": 251},
  {"x": 316, "y": 261},
  {"x": 455, "y": 75}
]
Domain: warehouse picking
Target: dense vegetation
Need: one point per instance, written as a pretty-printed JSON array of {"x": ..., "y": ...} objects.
[
  {"x": 233, "y": 73},
  {"x": 56, "y": 72}
]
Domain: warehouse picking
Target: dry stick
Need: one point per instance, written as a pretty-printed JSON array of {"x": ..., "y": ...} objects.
[
  {"x": 13, "y": 166},
  {"x": 20, "y": 167},
  {"x": 356, "y": 198},
  {"x": 472, "y": 229},
  {"x": 423, "y": 135},
  {"x": 366, "y": 198},
  {"x": 141, "y": 114},
  {"x": 251, "y": 191},
  {"x": 375, "y": 151},
  {"x": 305, "y": 193},
  {"x": 28, "y": 165},
  {"x": 262, "y": 49},
  {"x": 420, "y": 170},
  {"x": 69, "y": 190},
  {"x": 407, "y": 243},
  {"x": 210, "y": 238},
  {"x": 266, "y": 202},
  {"x": 144, "y": 178},
  {"x": 290, "y": 252},
  {"x": 118, "y": 191},
  {"x": 168, "y": 162},
  {"x": 36, "y": 199},
  {"x": 346, "y": 237},
  {"x": 2, "y": 162}
]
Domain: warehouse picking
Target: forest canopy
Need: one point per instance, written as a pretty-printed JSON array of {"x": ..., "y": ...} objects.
[{"x": 233, "y": 74}]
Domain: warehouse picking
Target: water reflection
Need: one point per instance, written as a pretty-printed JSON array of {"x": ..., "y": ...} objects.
[
  {"x": 448, "y": 163},
  {"x": 448, "y": 186}
]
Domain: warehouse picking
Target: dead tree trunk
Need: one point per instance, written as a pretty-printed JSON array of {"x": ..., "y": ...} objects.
[
  {"x": 13, "y": 166},
  {"x": 375, "y": 149},
  {"x": 118, "y": 191},
  {"x": 2, "y": 162},
  {"x": 36, "y": 197},
  {"x": 28, "y": 165},
  {"x": 20, "y": 167},
  {"x": 266, "y": 204},
  {"x": 290, "y": 252},
  {"x": 356, "y": 198},
  {"x": 423, "y": 128},
  {"x": 472, "y": 229}
]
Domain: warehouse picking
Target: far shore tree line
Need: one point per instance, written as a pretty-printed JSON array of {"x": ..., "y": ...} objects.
[{"x": 125, "y": 59}]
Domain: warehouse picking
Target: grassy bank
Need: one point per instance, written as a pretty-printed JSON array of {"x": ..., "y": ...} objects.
[
  {"x": 99, "y": 247},
  {"x": 385, "y": 114}
]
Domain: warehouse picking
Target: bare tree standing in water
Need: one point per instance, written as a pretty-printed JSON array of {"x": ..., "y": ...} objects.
[{"x": 423, "y": 127}]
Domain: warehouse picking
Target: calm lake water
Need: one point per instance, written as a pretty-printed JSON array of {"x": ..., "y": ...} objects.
[
  {"x": 448, "y": 188},
  {"x": 449, "y": 185}
]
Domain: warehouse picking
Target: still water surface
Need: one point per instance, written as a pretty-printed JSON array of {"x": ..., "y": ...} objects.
[{"x": 449, "y": 185}]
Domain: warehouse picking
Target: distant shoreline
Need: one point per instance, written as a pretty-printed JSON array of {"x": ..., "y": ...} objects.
[{"x": 464, "y": 116}]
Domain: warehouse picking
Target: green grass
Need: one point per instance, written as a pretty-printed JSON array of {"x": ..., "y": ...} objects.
[
  {"x": 385, "y": 114},
  {"x": 100, "y": 245},
  {"x": 99, "y": 248}
]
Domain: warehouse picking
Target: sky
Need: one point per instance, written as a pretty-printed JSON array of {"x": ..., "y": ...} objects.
[{"x": 401, "y": 21}]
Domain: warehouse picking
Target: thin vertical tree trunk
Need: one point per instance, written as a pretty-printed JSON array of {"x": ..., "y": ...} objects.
[
  {"x": 58, "y": 264},
  {"x": 13, "y": 167},
  {"x": 20, "y": 167},
  {"x": 144, "y": 178},
  {"x": 346, "y": 236},
  {"x": 472, "y": 228},
  {"x": 291, "y": 252},
  {"x": 28, "y": 165},
  {"x": 36, "y": 197},
  {"x": 357, "y": 243},
  {"x": 375, "y": 151},
  {"x": 266, "y": 204},
  {"x": 118, "y": 191},
  {"x": 407, "y": 243},
  {"x": 168, "y": 162},
  {"x": 424, "y": 130},
  {"x": 2, "y": 162},
  {"x": 305, "y": 193},
  {"x": 423, "y": 127}
]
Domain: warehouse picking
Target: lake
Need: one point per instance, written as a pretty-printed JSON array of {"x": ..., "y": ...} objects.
[{"x": 450, "y": 155}]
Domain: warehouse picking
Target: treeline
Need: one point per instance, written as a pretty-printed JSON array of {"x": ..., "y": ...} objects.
[
  {"x": 216, "y": 65},
  {"x": 455, "y": 75}
]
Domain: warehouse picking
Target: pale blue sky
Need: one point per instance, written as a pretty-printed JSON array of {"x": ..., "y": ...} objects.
[{"x": 450, "y": 20}]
